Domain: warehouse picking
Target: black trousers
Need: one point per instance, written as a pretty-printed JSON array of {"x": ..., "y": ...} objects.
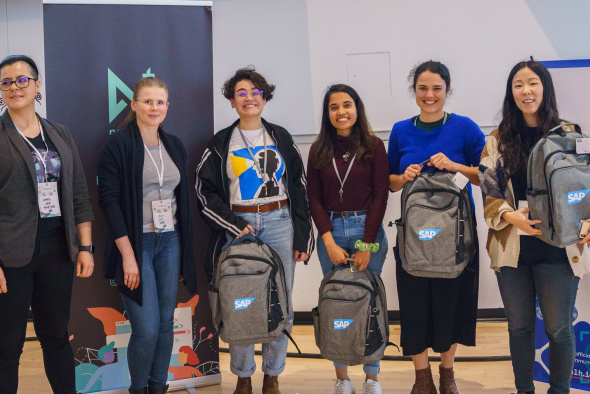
[{"x": 45, "y": 285}]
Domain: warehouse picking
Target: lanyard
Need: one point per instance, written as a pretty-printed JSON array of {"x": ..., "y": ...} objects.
[
  {"x": 160, "y": 174},
  {"x": 247, "y": 143},
  {"x": 444, "y": 121},
  {"x": 41, "y": 157},
  {"x": 341, "y": 191}
]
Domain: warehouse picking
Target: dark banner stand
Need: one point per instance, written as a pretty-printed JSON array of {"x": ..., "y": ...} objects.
[{"x": 94, "y": 56}]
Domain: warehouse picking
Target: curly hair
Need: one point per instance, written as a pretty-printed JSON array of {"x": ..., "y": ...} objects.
[{"x": 247, "y": 73}]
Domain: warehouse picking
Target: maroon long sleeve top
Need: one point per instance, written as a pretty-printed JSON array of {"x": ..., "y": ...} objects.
[{"x": 366, "y": 188}]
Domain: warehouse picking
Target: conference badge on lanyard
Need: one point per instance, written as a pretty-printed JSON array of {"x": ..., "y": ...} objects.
[
  {"x": 162, "y": 212},
  {"x": 48, "y": 200},
  {"x": 47, "y": 196},
  {"x": 161, "y": 209}
]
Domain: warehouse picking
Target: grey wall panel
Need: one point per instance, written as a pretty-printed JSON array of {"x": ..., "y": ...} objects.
[
  {"x": 24, "y": 34},
  {"x": 3, "y": 30}
]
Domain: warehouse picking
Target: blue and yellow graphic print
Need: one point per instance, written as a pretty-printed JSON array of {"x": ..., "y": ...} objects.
[{"x": 251, "y": 181}]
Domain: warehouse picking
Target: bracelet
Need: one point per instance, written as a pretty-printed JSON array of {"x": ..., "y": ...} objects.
[{"x": 363, "y": 246}]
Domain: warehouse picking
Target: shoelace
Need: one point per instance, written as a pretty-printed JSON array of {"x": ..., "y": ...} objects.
[
  {"x": 340, "y": 387},
  {"x": 370, "y": 387}
]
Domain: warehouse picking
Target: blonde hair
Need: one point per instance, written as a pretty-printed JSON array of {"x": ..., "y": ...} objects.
[{"x": 147, "y": 82}]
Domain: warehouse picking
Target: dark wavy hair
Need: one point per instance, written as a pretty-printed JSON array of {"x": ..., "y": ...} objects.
[
  {"x": 433, "y": 66},
  {"x": 247, "y": 73},
  {"x": 11, "y": 59},
  {"x": 360, "y": 136},
  {"x": 511, "y": 144}
]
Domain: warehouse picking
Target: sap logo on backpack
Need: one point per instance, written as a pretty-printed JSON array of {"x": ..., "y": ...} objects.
[
  {"x": 577, "y": 196},
  {"x": 243, "y": 303},
  {"x": 427, "y": 234},
  {"x": 342, "y": 324}
]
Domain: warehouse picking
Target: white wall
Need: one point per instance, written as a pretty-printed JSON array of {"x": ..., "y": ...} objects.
[
  {"x": 272, "y": 36},
  {"x": 21, "y": 33},
  {"x": 349, "y": 41}
]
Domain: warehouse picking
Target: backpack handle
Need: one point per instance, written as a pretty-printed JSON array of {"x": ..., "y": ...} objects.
[
  {"x": 258, "y": 240},
  {"x": 561, "y": 131}
]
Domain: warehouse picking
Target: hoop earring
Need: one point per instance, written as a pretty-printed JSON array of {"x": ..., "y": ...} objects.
[
  {"x": 38, "y": 97},
  {"x": 2, "y": 103}
]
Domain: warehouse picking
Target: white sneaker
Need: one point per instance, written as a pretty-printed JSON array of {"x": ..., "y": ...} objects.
[
  {"x": 343, "y": 387},
  {"x": 371, "y": 387}
]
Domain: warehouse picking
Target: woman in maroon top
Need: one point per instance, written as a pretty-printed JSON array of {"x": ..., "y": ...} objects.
[{"x": 347, "y": 192}]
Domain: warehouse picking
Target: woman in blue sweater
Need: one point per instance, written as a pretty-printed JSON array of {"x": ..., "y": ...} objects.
[{"x": 435, "y": 313}]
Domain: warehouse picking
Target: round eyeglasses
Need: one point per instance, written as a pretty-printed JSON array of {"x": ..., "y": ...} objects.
[
  {"x": 21, "y": 82},
  {"x": 157, "y": 103},
  {"x": 256, "y": 94}
]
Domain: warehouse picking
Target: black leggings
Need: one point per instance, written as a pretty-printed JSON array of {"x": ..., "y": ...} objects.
[{"x": 45, "y": 285}]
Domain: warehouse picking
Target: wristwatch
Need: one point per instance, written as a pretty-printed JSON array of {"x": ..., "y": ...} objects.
[{"x": 86, "y": 249}]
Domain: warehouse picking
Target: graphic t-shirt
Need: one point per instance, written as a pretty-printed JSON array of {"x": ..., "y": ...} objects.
[
  {"x": 247, "y": 185},
  {"x": 53, "y": 163}
]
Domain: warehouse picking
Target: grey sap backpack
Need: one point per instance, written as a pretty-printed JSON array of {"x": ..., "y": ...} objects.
[
  {"x": 435, "y": 234},
  {"x": 248, "y": 294},
  {"x": 558, "y": 184},
  {"x": 350, "y": 322}
]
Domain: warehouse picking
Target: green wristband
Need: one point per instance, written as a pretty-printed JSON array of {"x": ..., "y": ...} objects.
[{"x": 363, "y": 246}]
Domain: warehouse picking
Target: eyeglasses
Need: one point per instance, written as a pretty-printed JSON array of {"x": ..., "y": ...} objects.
[
  {"x": 256, "y": 94},
  {"x": 157, "y": 103},
  {"x": 20, "y": 83}
]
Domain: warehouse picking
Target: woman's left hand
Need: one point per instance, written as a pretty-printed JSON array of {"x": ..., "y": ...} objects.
[
  {"x": 442, "y": 162},
  {"x": 301, "y": 256},
  {"x": 361, "y": 259},
  {"x": 84, "y": 264}
]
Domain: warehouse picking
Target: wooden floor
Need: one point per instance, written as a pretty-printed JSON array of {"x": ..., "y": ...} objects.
[{"x": 309, "y": 375}]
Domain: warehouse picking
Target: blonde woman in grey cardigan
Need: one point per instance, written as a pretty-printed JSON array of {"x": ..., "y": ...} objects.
[{"x": 525, "y": 265}]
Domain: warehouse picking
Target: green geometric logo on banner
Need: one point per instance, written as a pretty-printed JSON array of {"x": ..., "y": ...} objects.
[{"x": 115, "y": 84}]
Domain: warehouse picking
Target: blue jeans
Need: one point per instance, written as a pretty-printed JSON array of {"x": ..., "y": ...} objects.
[
  {"x": 346, "y": 232},
  {"x": 150, "y": 346},
  {"x": 274, "y": 228},
  {"x": 556, "y": 286}
]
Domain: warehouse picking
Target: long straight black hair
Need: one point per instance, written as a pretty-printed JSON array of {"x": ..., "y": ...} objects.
[
  {"x": 512, "y": 146},
  {"x": 360, "y": 136}
]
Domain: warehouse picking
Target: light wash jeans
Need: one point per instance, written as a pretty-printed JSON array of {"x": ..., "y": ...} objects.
[
  {"x": 346, "y": 232},
  {"x": 150, "y": 346},
  {"x": 274, "y": 228},
  {"x": 556, "y": 286}
]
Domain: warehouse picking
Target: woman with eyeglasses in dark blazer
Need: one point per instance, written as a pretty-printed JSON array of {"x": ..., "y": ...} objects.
[{"x": 44, "y": 207}]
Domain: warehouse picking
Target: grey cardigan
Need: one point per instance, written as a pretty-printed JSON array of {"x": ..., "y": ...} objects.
[{"x": 19, "y": 211}]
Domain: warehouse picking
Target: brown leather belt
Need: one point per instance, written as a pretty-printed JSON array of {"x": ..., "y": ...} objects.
[{"x": 260, "y": 208}]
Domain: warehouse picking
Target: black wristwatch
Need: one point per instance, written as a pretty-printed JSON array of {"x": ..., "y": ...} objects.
[{"x": 86, "y": 249}]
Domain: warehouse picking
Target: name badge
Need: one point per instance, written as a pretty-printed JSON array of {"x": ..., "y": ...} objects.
[
  {"x": 48, "y": 200},
  {"x": 582, "y": 146},
  {"x": 162, "y": 213},
  {"x": 460, "y": 180}
]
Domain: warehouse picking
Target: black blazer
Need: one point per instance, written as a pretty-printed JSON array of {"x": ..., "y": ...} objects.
[
  {"x": 120, "y": 196},
  {"x": 19, "y": 212}
]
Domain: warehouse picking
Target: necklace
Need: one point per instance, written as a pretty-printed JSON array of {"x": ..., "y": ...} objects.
[{"x": 346, "y": 154}]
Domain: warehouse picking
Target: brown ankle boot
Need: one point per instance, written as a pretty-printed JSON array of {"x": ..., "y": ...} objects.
[
  {"x": 270, "y": 385},
  {"x": 244, "y": 386},
  {"x": 447, "y": 381},
  {"x": 424, "y": 383}
]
